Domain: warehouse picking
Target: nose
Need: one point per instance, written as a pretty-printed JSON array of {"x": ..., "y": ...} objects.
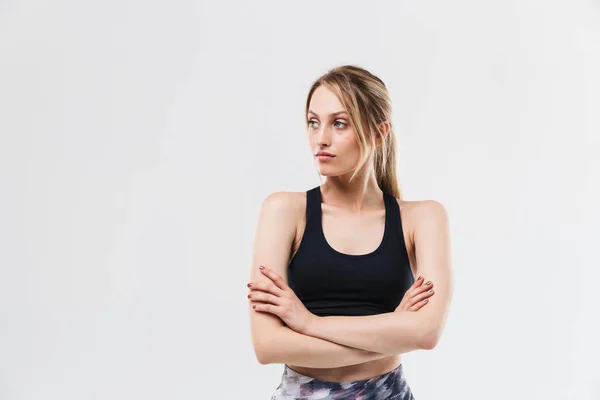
[{"x": 323, "y": 137}]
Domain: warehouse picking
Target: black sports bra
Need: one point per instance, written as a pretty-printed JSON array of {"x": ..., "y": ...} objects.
[{"x": 329, "y": 282}]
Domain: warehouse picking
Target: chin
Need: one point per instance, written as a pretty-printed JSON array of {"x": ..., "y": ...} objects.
[{"x": 329, "y": 173}]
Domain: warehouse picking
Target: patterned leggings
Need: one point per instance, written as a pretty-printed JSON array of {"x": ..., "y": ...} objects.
[{"x": 389, "y": 386}]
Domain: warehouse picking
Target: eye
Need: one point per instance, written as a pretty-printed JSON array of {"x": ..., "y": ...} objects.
[
  {"x": 344, "y": 125},
  {"x": 310, "y": 122}
]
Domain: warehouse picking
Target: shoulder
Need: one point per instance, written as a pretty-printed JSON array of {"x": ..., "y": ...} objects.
[
  {"x": 423, "y": 207},
  {"x": 284, "y": 206},
  {"x": 284, "y": 202},
  {"x": 430, "y": 208},
  {"x": 422, "y": 215}
]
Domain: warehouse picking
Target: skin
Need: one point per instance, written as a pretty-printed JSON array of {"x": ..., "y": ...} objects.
[
  {"x": 359, "y": 347},
  {"x": 277, "y": 298}
]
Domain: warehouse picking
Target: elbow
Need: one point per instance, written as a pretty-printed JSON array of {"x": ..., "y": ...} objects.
[
  {"x": 262, "y": 359},
  {"x": 267, "y": 346},
  {"x": 267, "y": 352},
  {"x": 430, "y": 339},
  {"x": 262, "y": 355}
]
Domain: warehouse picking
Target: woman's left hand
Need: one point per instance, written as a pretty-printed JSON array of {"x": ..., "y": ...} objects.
[{"x": 276, "y": 297}]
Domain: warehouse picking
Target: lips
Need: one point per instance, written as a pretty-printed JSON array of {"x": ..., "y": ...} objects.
[{"x": 324, "y": 153}]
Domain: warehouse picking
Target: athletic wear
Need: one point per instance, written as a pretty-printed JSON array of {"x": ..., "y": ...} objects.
[
  {"x": 389, "y": 386},
  {"x": 329, "y": 282}
]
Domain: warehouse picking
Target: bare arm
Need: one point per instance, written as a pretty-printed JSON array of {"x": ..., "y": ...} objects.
[
  {"x": 400, "y": 332},
  {"x": 284, "y": 346},
  {"x": 274, "y": 342},
  {"x": 394, "y": 332}
]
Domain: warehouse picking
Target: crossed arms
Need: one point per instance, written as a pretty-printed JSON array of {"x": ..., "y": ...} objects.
[{"x": 339, "y": 341}]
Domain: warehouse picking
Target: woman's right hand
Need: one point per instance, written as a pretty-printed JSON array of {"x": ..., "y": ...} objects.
[{"x": 416, "y": 296}]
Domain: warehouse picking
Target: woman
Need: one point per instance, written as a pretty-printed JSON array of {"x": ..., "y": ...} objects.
[{"x": 332, "y": 293}]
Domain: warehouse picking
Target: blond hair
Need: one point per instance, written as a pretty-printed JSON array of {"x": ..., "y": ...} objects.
[{"x": 366, "y": 100}]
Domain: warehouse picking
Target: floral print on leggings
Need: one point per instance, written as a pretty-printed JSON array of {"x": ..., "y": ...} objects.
[{"x": 389, "y": 386}]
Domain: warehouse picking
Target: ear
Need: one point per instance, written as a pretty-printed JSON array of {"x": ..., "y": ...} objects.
[{"x": 384, "y": 130}]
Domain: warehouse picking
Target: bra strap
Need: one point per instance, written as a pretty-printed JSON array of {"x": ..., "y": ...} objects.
[
  {"x": 394, "y": 219},
  {"x": 313, "y": 210}
]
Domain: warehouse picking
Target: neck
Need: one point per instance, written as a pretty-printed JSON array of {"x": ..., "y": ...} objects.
[{"x": 360, "y": 194}]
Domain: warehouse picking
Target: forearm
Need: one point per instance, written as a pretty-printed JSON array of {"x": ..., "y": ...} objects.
[
  {"x": 388, "y": 333},
  {"x": 285, "y": 346}
]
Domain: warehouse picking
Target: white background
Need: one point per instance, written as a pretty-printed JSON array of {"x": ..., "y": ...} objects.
[{"x": 138, "y": 140}]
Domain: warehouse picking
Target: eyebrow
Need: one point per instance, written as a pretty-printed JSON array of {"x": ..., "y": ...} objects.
[{"x": 331, "y": 115}]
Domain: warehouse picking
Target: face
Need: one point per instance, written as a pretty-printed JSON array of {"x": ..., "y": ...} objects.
[{"x": 329, "y": 131}]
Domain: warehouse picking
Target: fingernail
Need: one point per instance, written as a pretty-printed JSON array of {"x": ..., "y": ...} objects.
[
  {"x": 428, "y": 283},
  {"x": 425, "y": 301},
  {"x": 254, "y": 307},
  {"x": 431, "y": 291},
  {"x": 419, "y": 278},
  {"x": 249, "y": 285},
  {"x": 248, "y": 296},
  {"x": 261, "y": 267}
]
